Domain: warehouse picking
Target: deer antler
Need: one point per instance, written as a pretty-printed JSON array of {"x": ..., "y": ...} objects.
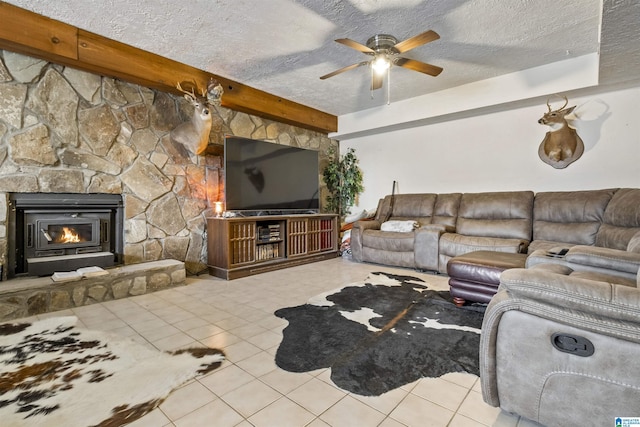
[
  {"x": 203, "y": 92},
  {"x": 192, "y": 93},
  {"x": 566, "y": 101},
  {"x": 211, "y": 94}
]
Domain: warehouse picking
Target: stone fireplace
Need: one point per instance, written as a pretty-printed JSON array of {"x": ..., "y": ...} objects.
[
  {"x": 50, "y": 232},
  {"x": 73, "y": 132}
]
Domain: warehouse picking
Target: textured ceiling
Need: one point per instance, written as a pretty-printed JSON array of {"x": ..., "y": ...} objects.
[{"x": 284, "y": 46}]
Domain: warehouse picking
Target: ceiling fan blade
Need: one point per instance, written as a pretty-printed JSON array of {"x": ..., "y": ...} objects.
[
  {"x": 421, "y": 67},
  {"x": 376, "y": 80},
  {"x": 342, "y": 70},
  {"x": 355, "y": 45},
  {"x": 415, "y": 41}
]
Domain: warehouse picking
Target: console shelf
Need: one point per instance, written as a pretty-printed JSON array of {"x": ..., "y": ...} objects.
[{"x": 239, "y": 247}]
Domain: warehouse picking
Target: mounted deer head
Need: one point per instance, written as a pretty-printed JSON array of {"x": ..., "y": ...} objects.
[
  {"x": 561, "y": 145},
  {"x": 194, "y": 134}
]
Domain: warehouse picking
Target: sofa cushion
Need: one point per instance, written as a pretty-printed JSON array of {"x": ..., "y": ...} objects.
[
  {"x": 397, "y": 258},
  {"x": 417, "y": 207},
  {"x": 621, "y": 220},
  {"x": 446, "y": 208},
  {"x": 569, "y": 216},
  {"x": 505, "y": 215},
  {"x": 603, "y": 277},
  {"x": 388, "y": 240},
  {"x": 453, "y": 244},
  {"x": 413, "y": 205}
]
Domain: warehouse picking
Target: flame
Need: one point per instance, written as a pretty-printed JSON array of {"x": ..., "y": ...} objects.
[{"x": 69, "y": 236}]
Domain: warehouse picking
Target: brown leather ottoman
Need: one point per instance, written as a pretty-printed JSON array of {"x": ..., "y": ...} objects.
[{"x": 475, "y": 276}]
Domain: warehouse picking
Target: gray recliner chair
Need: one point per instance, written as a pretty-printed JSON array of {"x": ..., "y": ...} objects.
[{"x": 562, "y": 347}]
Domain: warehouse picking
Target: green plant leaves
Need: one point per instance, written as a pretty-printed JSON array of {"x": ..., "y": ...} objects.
[{"x": 343, "y": 178}]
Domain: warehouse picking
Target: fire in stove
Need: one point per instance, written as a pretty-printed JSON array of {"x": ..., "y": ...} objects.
[
  {"x": 69, "y": 235},
  {"x": 59, "y": 234}
]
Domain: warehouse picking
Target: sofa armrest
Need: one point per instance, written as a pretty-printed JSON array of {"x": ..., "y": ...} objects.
[
  {"x": 426, "y": 245},
  {"x": 563, "y": 293},
  {"x": 634, "y": 243},
  {"x": 357, "y": 231},
  {"x": 441, "y": 228},
  {"x": 610, "y": 259},
  {"x": 367, "y": 225}
]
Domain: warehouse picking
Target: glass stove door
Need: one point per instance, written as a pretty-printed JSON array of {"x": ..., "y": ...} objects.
[{"x": 67, "y": 233}]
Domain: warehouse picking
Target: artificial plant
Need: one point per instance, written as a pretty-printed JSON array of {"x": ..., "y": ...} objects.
[{"x": 343, "y": 178}]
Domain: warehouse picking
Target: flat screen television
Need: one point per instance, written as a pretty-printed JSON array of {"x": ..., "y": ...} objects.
[{"x": 266, "y": 178}]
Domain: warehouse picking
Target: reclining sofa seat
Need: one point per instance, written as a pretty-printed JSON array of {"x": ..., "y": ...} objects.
[
  {"x": 494, "y": 221},
  {"x": 601, "y": 231},
  {"x": 568, "y": 218},
  {"x": 433, "y": 213}
]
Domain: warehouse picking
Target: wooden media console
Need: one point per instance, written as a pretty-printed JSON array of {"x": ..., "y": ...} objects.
[{"x": 242, "y": 246}]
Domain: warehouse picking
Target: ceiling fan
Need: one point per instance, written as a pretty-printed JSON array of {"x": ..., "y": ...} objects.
[{"x": 384, "y": 49}]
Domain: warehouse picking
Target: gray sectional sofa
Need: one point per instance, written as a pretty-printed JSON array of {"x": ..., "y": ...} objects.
[
  {"x": 561, "y": 337},
  {"x": 447, "y": 225}
]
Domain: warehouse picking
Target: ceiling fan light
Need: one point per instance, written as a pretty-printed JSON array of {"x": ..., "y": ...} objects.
[{"x": 381, "y": 64}]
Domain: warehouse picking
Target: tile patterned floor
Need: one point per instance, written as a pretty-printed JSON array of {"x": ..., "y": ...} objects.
[{"x": 249, "y": 389}]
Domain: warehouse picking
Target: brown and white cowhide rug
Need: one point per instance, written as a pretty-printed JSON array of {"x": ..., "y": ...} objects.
[
  {"x": 53, "y": 373},
  {"x": 380, "y": 334}
]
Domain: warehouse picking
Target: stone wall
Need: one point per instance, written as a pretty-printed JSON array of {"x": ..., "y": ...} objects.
[{"x": 68, "y": 131}]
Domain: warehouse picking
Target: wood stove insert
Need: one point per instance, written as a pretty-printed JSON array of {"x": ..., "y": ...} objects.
[{"x": 51, "y": 232}]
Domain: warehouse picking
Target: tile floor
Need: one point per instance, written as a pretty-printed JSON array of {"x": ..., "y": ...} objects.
[{"x": 249, "y": 389}]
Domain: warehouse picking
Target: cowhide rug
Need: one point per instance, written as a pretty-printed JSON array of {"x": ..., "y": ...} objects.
[
  {"x": 380, "y": 334},
  {"x": 53, "y": 373}
]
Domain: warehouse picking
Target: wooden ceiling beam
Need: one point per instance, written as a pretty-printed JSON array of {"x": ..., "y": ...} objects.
[{"x": 28, "y": 33}]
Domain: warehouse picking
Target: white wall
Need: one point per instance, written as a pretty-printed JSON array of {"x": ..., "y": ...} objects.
[
  {"x": 557, "y": 77},
  {"x": 499, "y": 151}
]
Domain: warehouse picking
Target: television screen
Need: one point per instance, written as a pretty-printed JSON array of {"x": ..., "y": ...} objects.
[{"x": 263, "y": 176}]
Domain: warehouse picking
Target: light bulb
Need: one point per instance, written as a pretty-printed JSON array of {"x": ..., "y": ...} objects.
[{"x": 380, "y": 64}]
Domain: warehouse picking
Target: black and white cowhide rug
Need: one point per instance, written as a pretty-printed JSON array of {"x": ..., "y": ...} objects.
[
  {"x": 380, "y": 334},
  {"x": 53, "y": 373}
]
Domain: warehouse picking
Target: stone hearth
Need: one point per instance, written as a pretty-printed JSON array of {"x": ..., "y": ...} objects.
[{"x": 31, "y": 296}]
